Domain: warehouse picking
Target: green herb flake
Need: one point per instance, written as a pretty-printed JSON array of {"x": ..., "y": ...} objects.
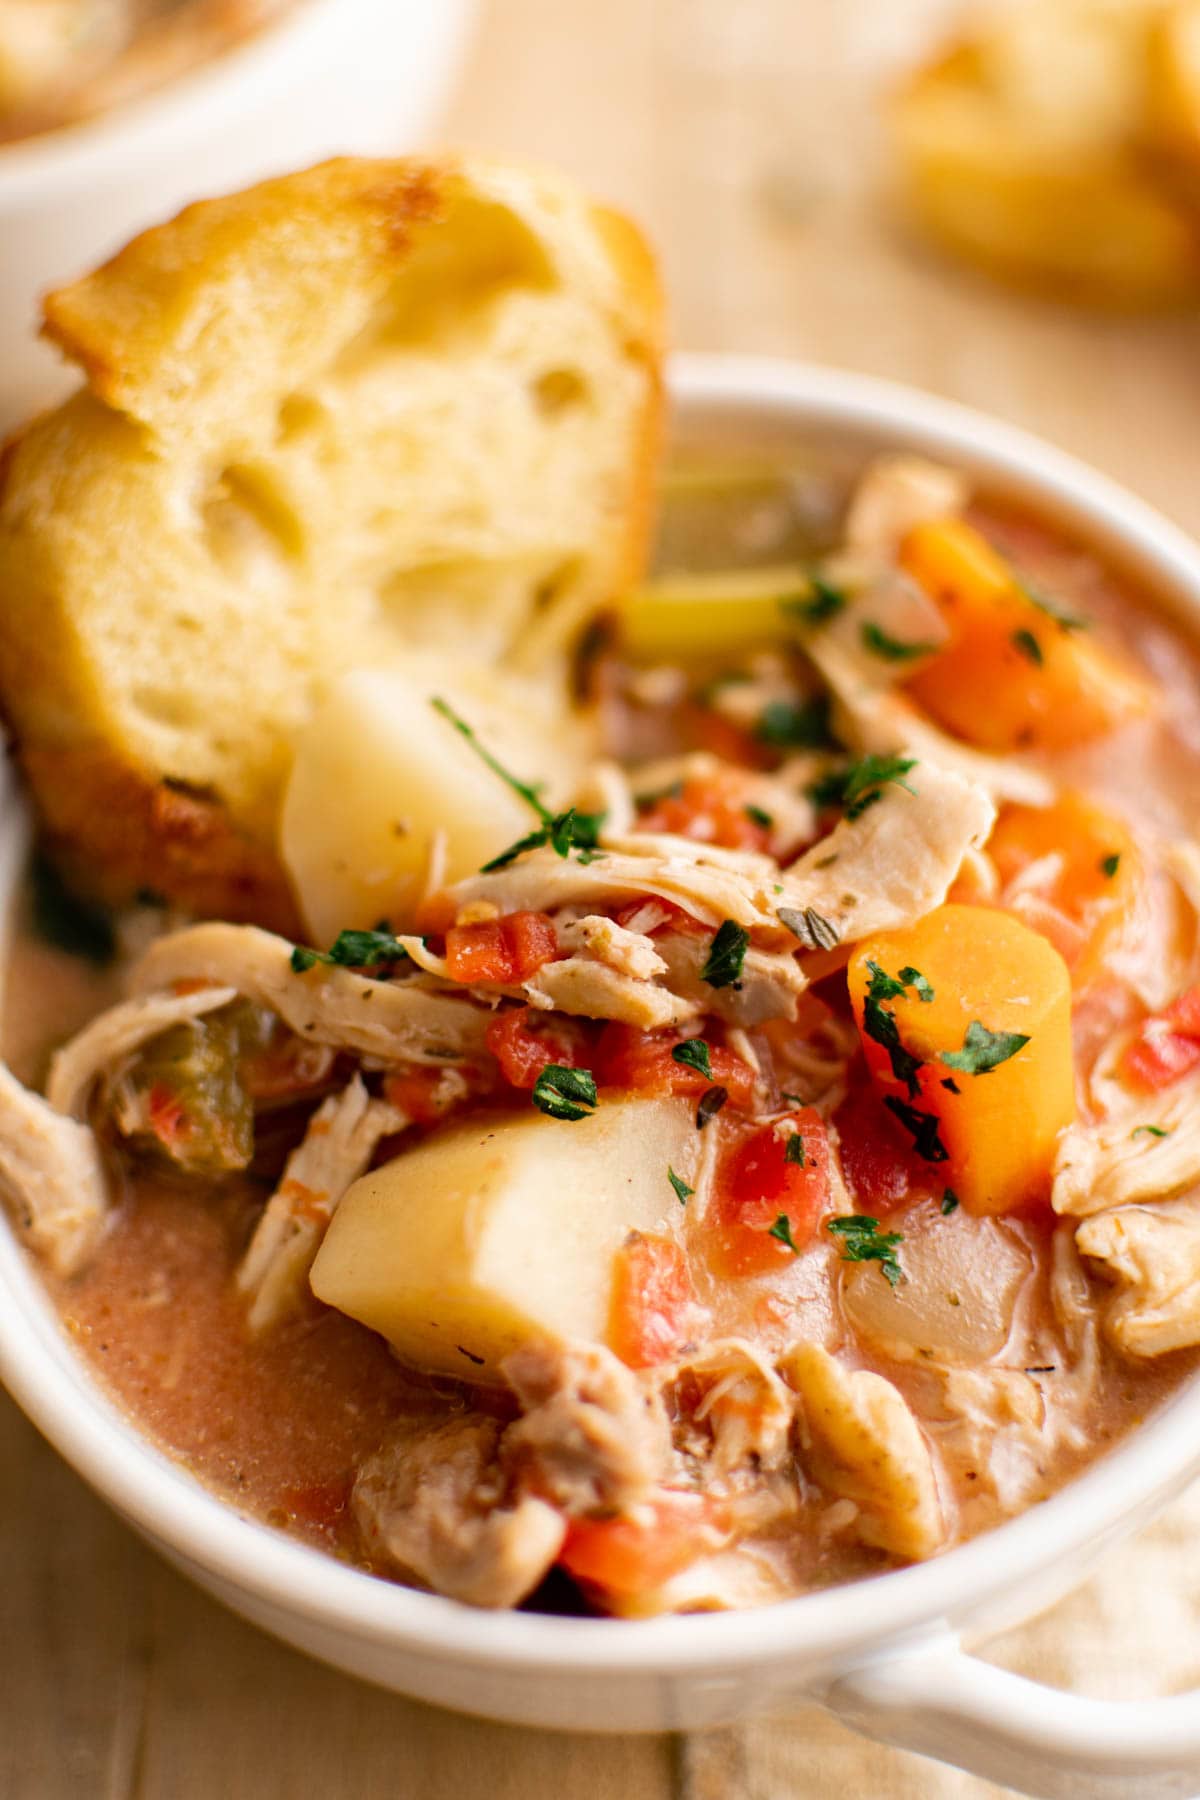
[
  {"x": 565, "y": 1093},
  {"x": 862, "y": 1241},
  {"x": 822, "y": 602},
  {"x": 782, "y": 1229},
  {"x": 810, "y": 927},
  {"x": 694, "y": 1055},
  {"x": 795, "y": 724},
  {"x": 526, "y": 792},
  {"x": 862, "y": 784},
  {"x": 352, "y": 950},
  {"x": 710, "y": 1105},
  {"x": 758, "y": 816},
  {"x": 914, "y": 979},
  {"x": 1027, "y": 644},
  {"x": 683, "y": 1192},
  {"x": 876, "y": 640},
  {"x": 793, "y": 1099},
  {"x": 1157, "y": 1131},
  {"x": 1110, "y": 864},
  {"x": 949, "y": 1202},
  {"x": 1065, "y": 620},
  {"x": 880, "y": 1024},
  {"x": 793, "y": 1150},
  {"x": 726, "y": 956},
  {"x": 984, "y": 1050},
  {"x": 62, "y": 918},
  {"x": 922, "y": 1127}
]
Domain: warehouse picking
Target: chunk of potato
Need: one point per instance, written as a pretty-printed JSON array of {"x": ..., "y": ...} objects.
[
  {"x": 1012, "y": 677},
  {"x": 502, "y": 1230},
  {"x": 378, "y": 774},
  {"x": 992, "y": 1131}
]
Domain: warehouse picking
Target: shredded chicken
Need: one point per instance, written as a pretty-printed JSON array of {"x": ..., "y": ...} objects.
[
  {"x": 592, "y": 1438},
  {"x": 630, "y": 953},
  {"x": 730, "y": 1408},
  {"x": 1150, "y": 1150},
  {"x": 387, "y": 1021},
  {"x": 769, "y": 986},
  {"x": 1153, "y": 1252},
  {"x": 860, "y": 1441},
  {"x": 897, "y": 860},
  {"x": 52, "y": 1176},
  {"x": 104, "y": 1045},
  {"x": 879, "y": 721},
  {"x": 590, "y": 989},
  {"x": 431, "y": 1504},
  {"x": 896, "y": 493},
  {"x": 336, "y": 1149}
]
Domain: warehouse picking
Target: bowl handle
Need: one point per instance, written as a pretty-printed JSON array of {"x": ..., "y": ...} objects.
[{"x": 940, "y": 1702}]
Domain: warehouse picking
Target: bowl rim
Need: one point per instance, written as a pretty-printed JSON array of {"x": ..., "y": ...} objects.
[
  {"x": 248, "y": 75},
  {"x": 243, "y": 1557}
]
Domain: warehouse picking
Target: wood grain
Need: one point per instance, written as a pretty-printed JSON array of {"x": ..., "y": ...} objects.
[{"x": 744, "y": 136}]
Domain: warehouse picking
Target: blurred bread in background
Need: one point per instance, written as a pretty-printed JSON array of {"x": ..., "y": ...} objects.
[{"x": 1056, "y": 144}]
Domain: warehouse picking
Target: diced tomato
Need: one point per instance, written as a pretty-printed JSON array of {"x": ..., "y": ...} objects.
[
  {"x": 503, "y": 951},
  {"x": 1168, "y": 1045},
  {"x": 652, "y": 1309},
  {"x": 709, "y": 811},
  {"x": 167, "y": 1115},
  {"x": 879, "y": 1164},
  {"x": 523, "y": 1052},
  {"x": 643, "y": 1548},
  {"x": 664, "y": 915},
  {"x": 642, "y": 1060},
  {"x": 706, "y": 729},
  {"x": 420, "y": 1094},
  {"x": 321, "y": 1507},
  {"x": 758, "y": 1184}
]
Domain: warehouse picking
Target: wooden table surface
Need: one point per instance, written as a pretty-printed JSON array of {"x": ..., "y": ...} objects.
[{"x": 744, "y": 137}]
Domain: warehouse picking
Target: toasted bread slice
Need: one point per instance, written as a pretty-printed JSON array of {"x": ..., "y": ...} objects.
[{"x": 372, "y": 406}]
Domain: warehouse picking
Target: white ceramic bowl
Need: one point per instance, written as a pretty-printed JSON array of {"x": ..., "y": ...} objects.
[
  {"x": 885, "y": 1655},
  {"x": 330, "y": 76}
]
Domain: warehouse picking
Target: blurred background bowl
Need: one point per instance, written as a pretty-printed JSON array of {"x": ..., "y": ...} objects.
[{"x": 329, "y": 76}]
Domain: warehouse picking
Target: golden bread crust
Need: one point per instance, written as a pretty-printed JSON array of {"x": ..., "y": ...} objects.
[{"x": 364, "y": 408}]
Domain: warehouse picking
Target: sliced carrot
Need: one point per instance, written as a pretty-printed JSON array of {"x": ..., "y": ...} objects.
[
  {"x": 1012, "y": 676},
  {"x": 641, "y": 1549}
]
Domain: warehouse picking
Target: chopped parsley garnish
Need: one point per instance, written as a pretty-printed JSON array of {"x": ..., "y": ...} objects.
[
  {"x": 822, "y": 602},
  {"x": 710, "y": 1105},
  {"x": 1028, "y": 645},
  {"x": 694, "y": 1055},
  {"x": 793, "y": 1150},
  {"x": 1158, "y": 1131},
  {"x": 862, "y": 1241},
  {"x": 565, "y": 1093},
  {"x": 812, "y": 928},
  {"x": 683, "y": 1192},
  {"x": 862, "y": 784},
  {"x": 922, "y": 1127},
  {"x": 984, "y": 1050},
  {"x": 1110, "y": 864},
  {"x": 351, "y": 950},
  {"x": 65, "y": 920},
  {"x": 564, "y": 832},
  {"x": 792, "y": 1099},
  {"x": 795, "y": 724},
  {"x": 949, "y": 1202},
  {"x": 914, "y": 979},
  {"x": 726, "y": 956},
  {"x": 757, "y": 816},
  {"x": 782, "y": 1229},
  {"x": 880, "y": 1024},
  {"x": 1066, "y": 621},
  {"x": 879, "y": 643}
]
